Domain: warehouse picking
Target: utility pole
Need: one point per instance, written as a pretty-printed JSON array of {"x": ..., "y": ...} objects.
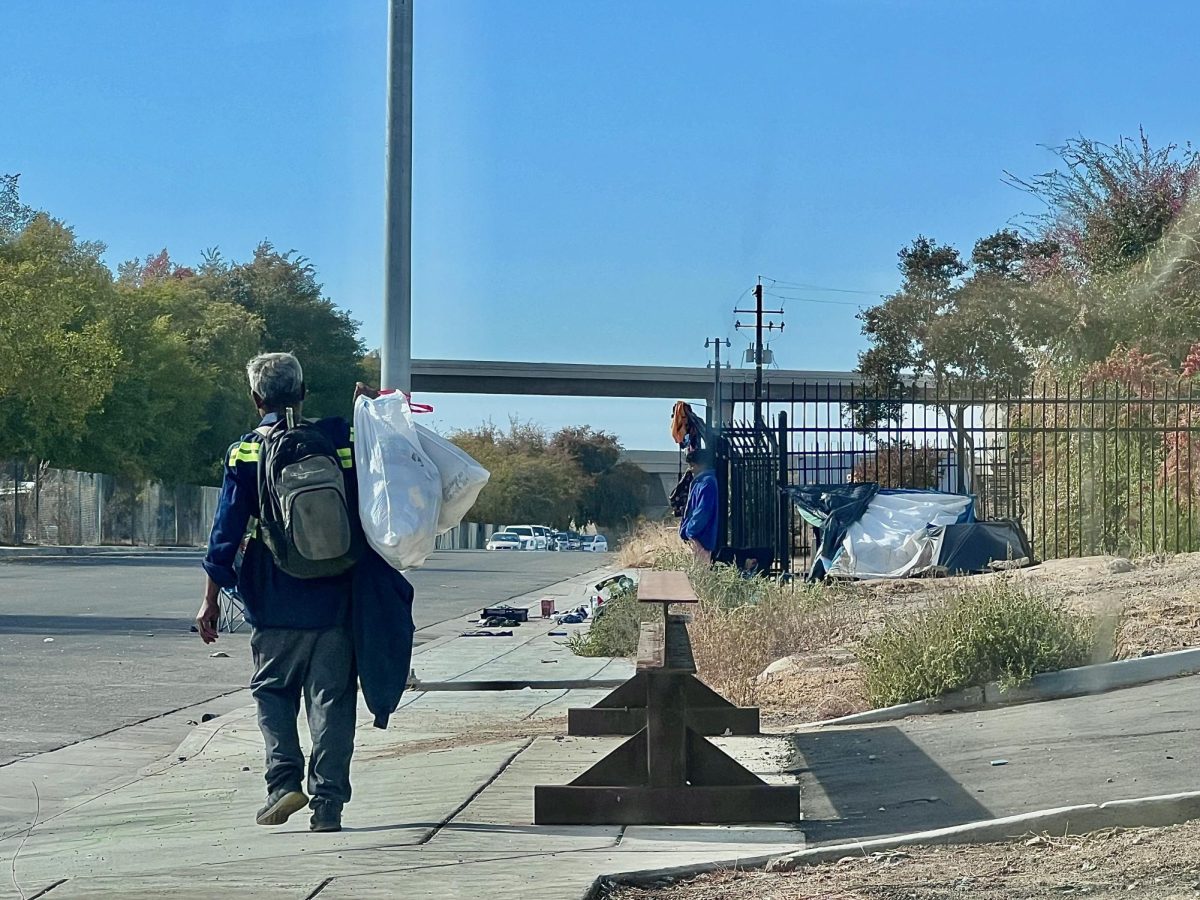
[
  {"x": 759, "y": 350},
  {"x": 396, "y": 362},
  {"x": 716, "y": 343}
]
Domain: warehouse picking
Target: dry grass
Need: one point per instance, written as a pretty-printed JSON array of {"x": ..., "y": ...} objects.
[
  {"x": 1150, "y": 864},
  {"x": 653, "y": 545},
  {"x": 734, "y": 642},
  {"x": 1153, "y": 608}
]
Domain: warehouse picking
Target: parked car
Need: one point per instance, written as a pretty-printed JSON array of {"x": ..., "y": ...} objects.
[
  {"x": 529, "y": 539},
  {"x": 562, "y": 541},
  {"x": 504, "y": 540},
  {"x": 574, "y": 540},
  {"x": 546, "y": 535},
  {"x": 596, "y": 544}
]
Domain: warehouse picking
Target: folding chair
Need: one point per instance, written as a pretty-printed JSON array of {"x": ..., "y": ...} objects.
[{"x": 232, "y": 615}]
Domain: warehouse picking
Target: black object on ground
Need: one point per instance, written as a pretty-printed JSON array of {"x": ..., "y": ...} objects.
[
  {"x": 486, "y": 634},
  {"x": 505, "y": 612}
]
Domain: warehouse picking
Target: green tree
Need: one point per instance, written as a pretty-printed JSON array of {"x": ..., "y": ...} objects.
[
  {"x": 179, "y": 396},
  {"x": 14, "y": 215},
  {"x": 57, "y": 360},
  {"x": 531, "y": 481},
  {"x": 617, "y": 496},
  {"x": 282, "y": 292},
  {"x": 954, "y": 329},
  {"x": 612, "y": 492},
  {"x": 972, "y": 322}
]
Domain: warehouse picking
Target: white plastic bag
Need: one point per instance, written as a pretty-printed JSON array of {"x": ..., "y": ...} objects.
[
  {"x": 462, "y": 477},
  {"x": 399, "y": 488}
]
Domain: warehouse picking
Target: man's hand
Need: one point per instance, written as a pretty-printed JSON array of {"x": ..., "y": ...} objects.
[
  {"x": 210, "y": 612},
  {"x": 362, "y": 390}
]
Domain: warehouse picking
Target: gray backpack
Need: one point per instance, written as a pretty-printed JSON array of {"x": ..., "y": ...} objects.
[{"x": 304, "y": 515}]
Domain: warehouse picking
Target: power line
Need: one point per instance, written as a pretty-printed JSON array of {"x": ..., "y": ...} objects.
[
  {"x": 817, "y": 287},
  {"x": 789, "y": 298}
]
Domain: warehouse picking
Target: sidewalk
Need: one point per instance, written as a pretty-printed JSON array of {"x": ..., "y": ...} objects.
[
  {"x": 932, "y": 772},
  {"x": 442, "y": 806},
  {"x": 443, "y": 798}
]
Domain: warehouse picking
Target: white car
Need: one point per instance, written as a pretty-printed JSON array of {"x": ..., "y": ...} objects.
[
  {"x": 547, "y": 536},
  {"x": 529, "y": 539},
  {"x": 595, "y": 544},
  {"x": 504, "y": 540}
]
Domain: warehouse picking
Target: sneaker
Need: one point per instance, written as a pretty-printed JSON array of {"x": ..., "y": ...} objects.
[
  {"x": 281, "y": 804},
  {"x": 326, "y": 816}
]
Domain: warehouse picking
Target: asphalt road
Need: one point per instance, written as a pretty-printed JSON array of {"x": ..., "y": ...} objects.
[{"x": 91, "y": 644}]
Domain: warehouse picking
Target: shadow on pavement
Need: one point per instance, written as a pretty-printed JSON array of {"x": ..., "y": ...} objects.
[
  {"x": 181, "y": 561},
  {"x": 869, "y": 782},
  {"x": 80, "y": 624}
]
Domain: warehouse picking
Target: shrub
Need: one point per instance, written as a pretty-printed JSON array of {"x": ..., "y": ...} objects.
[
  {"x": 614, "y": 632},
  {"x": 989, "y": 631}
]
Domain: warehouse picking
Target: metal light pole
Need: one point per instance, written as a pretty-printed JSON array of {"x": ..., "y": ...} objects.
[
  {"x": 396, "y": 361},
  {"x": 718, "y": 421}
]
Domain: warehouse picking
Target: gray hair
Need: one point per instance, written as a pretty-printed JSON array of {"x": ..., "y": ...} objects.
[{"x": 277, "y": 378}]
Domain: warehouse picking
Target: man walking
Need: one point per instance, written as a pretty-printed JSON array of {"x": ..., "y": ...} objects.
[
  {"x": 699, "y": 526},
  {"x": 301, "y": 642}
]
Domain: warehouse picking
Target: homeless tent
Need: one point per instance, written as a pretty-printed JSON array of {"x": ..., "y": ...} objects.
[{"x": 865, "y": 531}]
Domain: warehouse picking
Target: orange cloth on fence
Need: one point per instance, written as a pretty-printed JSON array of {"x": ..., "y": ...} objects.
[{"x": 679, "y": 422}]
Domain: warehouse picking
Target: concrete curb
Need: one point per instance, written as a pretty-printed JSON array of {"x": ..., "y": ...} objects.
[
  {"x": 1078, "y": 682},
  {"x": 1143, "y": 812},
  {"x": 198, "y": 739}
]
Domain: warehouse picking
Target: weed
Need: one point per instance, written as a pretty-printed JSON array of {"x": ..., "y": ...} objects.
[
  {"x": 987, "y": 631},
  {"x": 615, "y": 631}
]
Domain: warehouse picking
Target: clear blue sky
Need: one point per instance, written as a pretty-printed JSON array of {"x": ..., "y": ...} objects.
[{"x": 594, "y": 181}]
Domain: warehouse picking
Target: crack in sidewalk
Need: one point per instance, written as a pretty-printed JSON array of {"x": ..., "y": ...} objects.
[{"x": 503, "y": 767}]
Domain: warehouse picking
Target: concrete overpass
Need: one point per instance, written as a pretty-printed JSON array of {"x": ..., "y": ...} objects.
[
  {"x": 459, "y": 376},
  {"x": 462, "y": 376}
]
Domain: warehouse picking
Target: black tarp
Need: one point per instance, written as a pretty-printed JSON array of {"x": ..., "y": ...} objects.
[{"x": 973, "y": 547}]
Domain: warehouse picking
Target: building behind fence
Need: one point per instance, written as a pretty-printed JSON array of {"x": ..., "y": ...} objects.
[{"x": 1086, "y": 467}]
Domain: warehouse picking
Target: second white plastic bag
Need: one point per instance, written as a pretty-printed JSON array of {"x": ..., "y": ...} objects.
[
  {"x": 462, "y": 477},
  {"x": 399, "y": 487}
]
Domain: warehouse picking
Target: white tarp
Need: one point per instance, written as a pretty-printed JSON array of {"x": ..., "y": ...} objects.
[{"x": 892, "y": 538}]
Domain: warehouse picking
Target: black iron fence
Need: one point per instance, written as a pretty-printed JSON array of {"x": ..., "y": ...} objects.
[{"x": 1087, "y": 467}]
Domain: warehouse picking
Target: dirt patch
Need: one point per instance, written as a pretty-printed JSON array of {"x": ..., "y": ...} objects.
[
  {"x": 1150, "y": 864},
  {"x": 1143, "y": 607},
  {"x": 471, "y": 737}
]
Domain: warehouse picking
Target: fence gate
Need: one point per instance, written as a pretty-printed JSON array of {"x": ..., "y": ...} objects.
[{"x": 754, "y": 512}]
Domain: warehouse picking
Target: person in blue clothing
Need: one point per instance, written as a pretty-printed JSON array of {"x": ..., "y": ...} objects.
[
  {"x": 699, "y": 526},
  {"x": 301, "y": 641}
]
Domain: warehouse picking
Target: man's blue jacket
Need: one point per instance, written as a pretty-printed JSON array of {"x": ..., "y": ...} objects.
[{"x": 700, "y": 515}]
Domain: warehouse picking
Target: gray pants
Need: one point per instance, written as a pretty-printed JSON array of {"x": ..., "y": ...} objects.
[{"x": 318, "y": 665}]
